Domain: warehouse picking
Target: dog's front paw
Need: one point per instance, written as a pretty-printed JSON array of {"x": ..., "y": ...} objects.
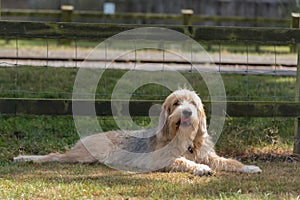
[
  {"x": 251, "y": 169},
  {"x": 202, "y": 170}
]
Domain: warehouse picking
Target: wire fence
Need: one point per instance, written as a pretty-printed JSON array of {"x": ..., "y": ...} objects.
[{"x": 45, "y": 68}]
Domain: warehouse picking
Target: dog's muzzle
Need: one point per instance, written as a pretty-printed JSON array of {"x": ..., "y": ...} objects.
[{"x": 185, "y": 118}]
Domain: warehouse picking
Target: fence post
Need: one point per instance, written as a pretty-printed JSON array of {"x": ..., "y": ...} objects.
[
  {"x": 187, "y": 15},
  {"x": 66, "y": 16},
  {"x": 66, "y": 13},
  {"x": 295, "y": 24},
  {"x": 297, "y": 99}
]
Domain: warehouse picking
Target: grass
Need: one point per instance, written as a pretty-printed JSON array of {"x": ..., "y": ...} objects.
[
  {"x": 47, "y": 82},
  {"x": 45, "y": 134},
  {"x": 78, "y": 181},
  {"x": 55, "y": 44},
  {"x": 266, "y": 142}
]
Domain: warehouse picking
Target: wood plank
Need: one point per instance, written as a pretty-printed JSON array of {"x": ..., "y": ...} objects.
[
  {"x": 140, "y": 108},
  {"x": 8, "y": 106},
  {"x": 239, "y": 19},
  {"x": 85, "y": 31},
  {"x": 247, "y": 35},
  {"x": 263, "y": 109},
  {"x": 145, "y": 16}
]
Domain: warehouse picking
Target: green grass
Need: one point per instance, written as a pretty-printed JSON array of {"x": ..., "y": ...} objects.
[
  {"x": 42, "y": 43},
  {"x": 45, "y": 134},
  {"x": 266, "y": 142},
  {"x": 55, "y": 44},
  {"x": 48, "y": 82}
]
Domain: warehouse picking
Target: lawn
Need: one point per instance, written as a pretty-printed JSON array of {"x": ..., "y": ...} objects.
[
  {"x": 55, "y": 82},
  {"x": 266, "y": 142},
  {"x": 280, "y": 180}
]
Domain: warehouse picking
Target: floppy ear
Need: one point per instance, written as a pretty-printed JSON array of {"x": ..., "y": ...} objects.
[
  {"x": 202, "y": 128},
  {"x": 163, "y": 130}
]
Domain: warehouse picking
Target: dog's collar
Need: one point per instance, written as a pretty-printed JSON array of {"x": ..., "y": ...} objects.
[{"x": 190, "y": 149}]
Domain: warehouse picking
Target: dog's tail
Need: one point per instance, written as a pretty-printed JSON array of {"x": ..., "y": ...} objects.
[{"x": 53, "y": 157}]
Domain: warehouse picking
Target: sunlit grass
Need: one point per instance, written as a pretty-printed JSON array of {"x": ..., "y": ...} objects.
[
  {"x": 48, "y": 82},
  {"x": 62, "y": 181}
]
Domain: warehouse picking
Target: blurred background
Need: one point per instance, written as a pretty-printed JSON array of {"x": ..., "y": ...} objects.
[{"x": 208, "y": 11}]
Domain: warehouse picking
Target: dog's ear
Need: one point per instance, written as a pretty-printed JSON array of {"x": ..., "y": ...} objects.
[
  {"x": 163, "y": 130},
  {"x": 202, "y": 129}
]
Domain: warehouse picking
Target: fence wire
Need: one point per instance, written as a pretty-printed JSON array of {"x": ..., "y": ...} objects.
[
  {"x": 20, "y": 60},
  {"x": 50, "y": 69}
]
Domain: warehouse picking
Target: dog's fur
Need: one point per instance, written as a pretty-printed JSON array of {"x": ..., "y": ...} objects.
[{"x": 180, "y": 143}]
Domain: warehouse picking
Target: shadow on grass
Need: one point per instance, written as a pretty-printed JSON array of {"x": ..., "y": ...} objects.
[{"x": 278, "y": 178}]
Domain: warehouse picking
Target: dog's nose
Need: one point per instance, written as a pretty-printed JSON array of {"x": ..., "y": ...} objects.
[{"x": 186, "y": 113}]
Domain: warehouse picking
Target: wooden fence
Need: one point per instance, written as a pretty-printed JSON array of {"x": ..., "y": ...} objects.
[
  {"x": 275, "y": 36},
  {"x": 68, "y": 14},
  {"x": 209, "y": 34}
]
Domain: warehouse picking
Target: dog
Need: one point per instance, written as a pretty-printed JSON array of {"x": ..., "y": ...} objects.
[{"x": 180, "y": 143}]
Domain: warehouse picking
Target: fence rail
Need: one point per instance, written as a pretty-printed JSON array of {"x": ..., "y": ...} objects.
[
  {"x": 141, "y": 108},
  {"x": 82, "y": 31},
  {"x": 166, "y": 18}
]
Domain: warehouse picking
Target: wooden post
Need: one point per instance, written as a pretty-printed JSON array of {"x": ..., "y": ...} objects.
[
  {"x": 295, "y": 24},
  {"x": 295, "y": 20},
  {"x": 187, "y": 15},
  {"x": 297, "y": 99},
  {"x": 66, "y": 13},
  {"x": 66, "y": 16},
  {"x": 296, "y": 48},
  {"x": 297, "y": 137}
]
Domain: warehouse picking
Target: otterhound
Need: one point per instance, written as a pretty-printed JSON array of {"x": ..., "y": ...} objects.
[{"x": 180, "y": 143}]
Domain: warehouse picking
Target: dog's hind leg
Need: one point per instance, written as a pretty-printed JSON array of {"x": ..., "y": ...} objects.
[{"x": 77, "y": 154}]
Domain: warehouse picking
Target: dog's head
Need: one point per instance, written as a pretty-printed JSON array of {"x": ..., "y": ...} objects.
[{"x": 182, "y": 112}]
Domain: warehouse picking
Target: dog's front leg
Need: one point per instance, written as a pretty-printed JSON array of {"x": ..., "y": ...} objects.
[
  {"x": 223, "y": 164},
  {"x": 184, "y": 165}
]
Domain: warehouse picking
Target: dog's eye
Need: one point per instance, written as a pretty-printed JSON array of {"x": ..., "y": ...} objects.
[
  {"x": 194, "y": 103},
  {"x": 176, "y": 103}
]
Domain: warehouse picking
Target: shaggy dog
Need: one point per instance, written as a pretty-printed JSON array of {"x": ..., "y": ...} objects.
[{"x": 180, "y": 143}]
